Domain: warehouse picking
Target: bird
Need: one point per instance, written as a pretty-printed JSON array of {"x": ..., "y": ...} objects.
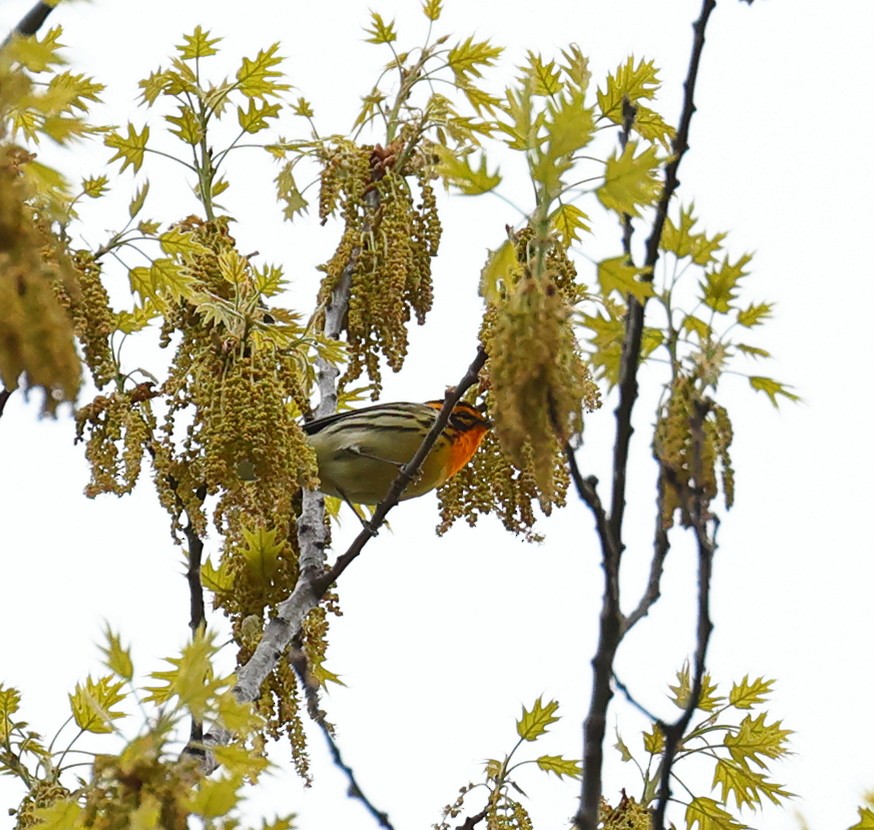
[{"x": 360, "y": 452}]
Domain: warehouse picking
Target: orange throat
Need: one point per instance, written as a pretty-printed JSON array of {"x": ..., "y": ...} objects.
[{"x": 463, "y": 448}]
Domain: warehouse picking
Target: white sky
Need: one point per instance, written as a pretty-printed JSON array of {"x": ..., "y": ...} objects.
[{"x": 444, "y": 640}]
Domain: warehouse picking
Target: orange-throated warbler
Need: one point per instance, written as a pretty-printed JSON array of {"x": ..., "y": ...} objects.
[{"x": 360, "y": 452}]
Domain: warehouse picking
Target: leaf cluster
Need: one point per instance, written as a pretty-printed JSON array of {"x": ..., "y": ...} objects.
[
  {"x": 735, "y": 737},
  {"x": 144, "y": 784},
  {"x": 38, "y": 275},
  {"x": 504, "y": 810}
]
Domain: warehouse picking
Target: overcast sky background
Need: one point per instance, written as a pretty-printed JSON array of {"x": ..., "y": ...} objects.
[{"x": 443, "y": 640}]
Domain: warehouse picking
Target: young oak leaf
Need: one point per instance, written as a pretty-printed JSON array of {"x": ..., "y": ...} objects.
[
  {"x": 197, "y": 45},
  {"x": 708, "y": 815},
  {"x": 746, "y": 694},
  {"x": 116, "y": 656},
  {"x": 92, "y": 704},
  {"x": 533, "y": 724},
  {"x": 772, "y": 388},
  {"x": 130, "y": 149},
  {"x": 630, "y": 181},
  {"x": 755, "y": 739},
  {"x": 560, "y": 766}
]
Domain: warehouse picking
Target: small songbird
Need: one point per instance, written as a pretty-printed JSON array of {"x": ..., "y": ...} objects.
[{"x": 360, "y": 452}]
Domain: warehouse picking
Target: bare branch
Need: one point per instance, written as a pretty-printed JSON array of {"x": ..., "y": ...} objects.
[
  {"x": 311, "y": 689},
  {"x": 612, "y": 624},
  {"x": 471, "y": 821},
  {"x": 661, "y": 546},
  {"x": 31, "y": 22}
]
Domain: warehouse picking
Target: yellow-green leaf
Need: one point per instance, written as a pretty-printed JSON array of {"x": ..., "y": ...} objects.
[
  {"x": 545, "y": 76},
  {"x": 719, "y": 289},
  {"x": 533, "y": 724},
  {"x": 62, "y": 814},
  {"x": 866, "y": 819},
  {"x": 708, "y": 815},
  {"x": 752, "y": 351},
  {"x": 630, "y": 181},
  {"x": 191, "y": 677},
  {"x": 432, "y": 9},
  {"x": 773, "y": 389},
  {"x": 95, "y": 186},
  {"x": 755, "y": 738},
  {"x": 255, "y": 78},
  {"x": 138, "y": 200},
  {"x": 238, "y": 759},
  {"x": 746, "y": 785},
  {"x": 217, "y": 579},
  {"x": 261, "y": 550},
  {"x": 560, "y": 766},
  {"x": 116, "y": 656},
  {"x": 682, "y": 242},
  {"x": 131, "y": 149},
  {"x": 170, "y": 277},
  {"x": 138, "y": 318},
  {"x": 92, "y": 704},
  {"x": 755, "y": 314},
  {"x": 650, "y": 125},
  {"x": 630, "y": 81},
  {"x": 469, "y": 58},
  {"x": 654, "y": 741},
  {"x": 569, "y": 222},
  {"x": 34, "y": 53},
  {"x": 255, "y": 118},
  {"x": 615, "y": 274},
  {"x": 380, "y": 31},
  {"x": 624, "y": 751},
  {"x": 747, "y": 693},
  {"x": 178, "y": 242},
  {"x": 197, "y": 45},
  {"x": 456, "y": 170},
  {"x": 188, "y": 126},
  {"x": 214, "y": 798},
  {"x": 10, "y": 700},
  {"x": 501, "y": 271}
]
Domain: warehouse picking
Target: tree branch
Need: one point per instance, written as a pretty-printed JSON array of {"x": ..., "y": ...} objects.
[
  {"x": 612, "y": 624},
  {"x": 31, "y": 22}
]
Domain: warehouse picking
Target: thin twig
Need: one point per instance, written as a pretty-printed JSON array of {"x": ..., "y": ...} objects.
[
  {"x": 471, "y": 821},
  {"x": 626, "y": 692},
  {"x": 300, "y": 664},
  {"x": 5, "y": 395}
]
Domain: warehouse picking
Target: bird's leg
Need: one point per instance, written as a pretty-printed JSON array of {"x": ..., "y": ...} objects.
[{"x": 364, "y": 523}]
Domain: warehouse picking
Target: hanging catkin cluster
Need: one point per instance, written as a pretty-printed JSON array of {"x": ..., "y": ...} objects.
[
  {"x": 385, "y": 251},
  {"x": 691, "y": 443},
  {"x": 536, "y": 386},
  {"x": 36, "y": 334}
]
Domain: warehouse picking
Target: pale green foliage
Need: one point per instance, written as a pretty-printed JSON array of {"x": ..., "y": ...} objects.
[
  {"x": 145, "y": 784},
  {"x": 734, "y": 736},
  {"x": 503, "y": 809},
  {"x": 197, "y": 104},
  {"x": 866, "y": 815}
]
